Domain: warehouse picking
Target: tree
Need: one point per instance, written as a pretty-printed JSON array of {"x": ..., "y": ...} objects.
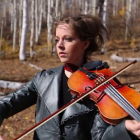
[
  {"x": 49, "y": 25},
  {"x": 1, "y": 33},
  {"x": 32, "y": 28},
  {"x": 94, "y": 2},
  {"x": 57, "y": 8},
  {"x": 128, "y": 17},
  {"x": 20, "y": 18},
  {"x": 36, "y": 22},
  {"x": 15, "y": 24},
  {"x": 22, "y": 53}
]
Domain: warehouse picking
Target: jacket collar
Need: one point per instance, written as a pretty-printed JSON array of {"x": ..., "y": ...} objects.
[
  {"x": 58, "y": 70},
  {"x": 52, "y": 97}
]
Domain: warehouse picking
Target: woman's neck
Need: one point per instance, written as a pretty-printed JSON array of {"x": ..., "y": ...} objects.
[
  {"x": 68, "y": 73},
  {"x": 69, "y": 69}
]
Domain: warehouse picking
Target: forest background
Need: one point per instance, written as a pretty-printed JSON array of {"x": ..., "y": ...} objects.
[{"x": 27, "y": 45}]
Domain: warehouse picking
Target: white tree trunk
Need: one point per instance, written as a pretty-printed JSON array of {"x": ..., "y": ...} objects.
[
  {"x": 105, "y": 12},
  {"x": 80, "y": 6},
  {"x": 128, "y": 18},
  {"x": 15, "y": 24},
  {"x": 86, "y": 6},
  {"x": 1, "y": 33},
  {"x": 134, "y": 9},
  {"x": 117, "y": 58},
  {"x": 12, "y": 21},
  {"x": 45, "y": 10},
  {"x": 22, "y": 55},
  {"x": 57, "y": 8},
  {"x": 20, "y": 19},
  {"x": 137, "y": 8},
  {"x": 4, "y": 15},
  {"x": 100, "y": 8},
  {"x": 63, "y": 6},
  {"x": 40, "y": 17},
  {"x": 32, "y": 28},
  {"x": 115, "y": 7},
  {"x": 11, "y": 85},
  {"x": 94, "y": 3},
  {"x": 104, "y": 22},
  {"x": 36, "y": 22},
  {"x": 49, "y": 26}
]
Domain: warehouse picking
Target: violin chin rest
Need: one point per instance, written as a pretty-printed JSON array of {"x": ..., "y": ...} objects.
[
  {"x": 95, "y": 65},
  {"x": 92, "y": 65}
]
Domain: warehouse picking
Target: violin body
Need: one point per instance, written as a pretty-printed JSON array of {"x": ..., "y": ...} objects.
[{"x": 110, "y": 111}]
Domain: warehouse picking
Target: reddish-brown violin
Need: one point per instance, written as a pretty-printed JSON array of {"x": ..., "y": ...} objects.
[{"x": 114, "y": 100}]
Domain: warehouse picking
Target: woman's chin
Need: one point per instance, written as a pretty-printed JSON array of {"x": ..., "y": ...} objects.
[{"x": 64, "y": 60}]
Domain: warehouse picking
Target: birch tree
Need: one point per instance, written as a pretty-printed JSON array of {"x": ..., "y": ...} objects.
[
  {"x": 36, "y": 22},
  {"x": 49, "y": 25},
  {"x": 128, "y": 18},
  {"x": 20, "y": 18},
  {"x": 45, "y": 9},
  {"x": 15, "y": 23},
  {"x": 94, "y": 3},
  {"x": 104, "y": 19},
  {"x": 1, "y": 23},
  {"x": 100, "y": 8},
  {"x": 115, "y": 7},
  {"x": 105, "y": 12},
  {"x": 22, "y": 53},
  {"x": 12, "y": 12},
  {"x": 40, "y": 17},
  {"x": 32, "y": 28},
  {"x": 80, "y": 5},
  {"x": 57, "y": 8},
  {"x": 63, "y": 6},
  {"x": 1, "y": 33},
  {"x": 134, "y": 9},
  {"x": 86, "y": 7}
]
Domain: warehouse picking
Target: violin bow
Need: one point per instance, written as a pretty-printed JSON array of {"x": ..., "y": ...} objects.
[{"x": 71, "y": 103}]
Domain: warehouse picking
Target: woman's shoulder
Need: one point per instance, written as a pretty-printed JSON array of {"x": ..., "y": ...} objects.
[{"x": 57, "y": 70}]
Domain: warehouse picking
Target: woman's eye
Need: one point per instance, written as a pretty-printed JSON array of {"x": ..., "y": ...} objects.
[
  {"x": 56, "y": 40},
  {"x": 68, "y": 39}
]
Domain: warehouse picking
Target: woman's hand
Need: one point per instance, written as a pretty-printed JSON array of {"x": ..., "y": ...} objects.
[
  {"x": 133, "y": 126},
  {"x": 1, "y": 138}
]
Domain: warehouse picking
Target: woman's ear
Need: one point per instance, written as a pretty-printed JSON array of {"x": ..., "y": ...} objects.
[{"x": 86, "y": 44}]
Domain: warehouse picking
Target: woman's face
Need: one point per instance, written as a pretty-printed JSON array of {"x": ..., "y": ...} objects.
[{"x": 70, "y": 48}]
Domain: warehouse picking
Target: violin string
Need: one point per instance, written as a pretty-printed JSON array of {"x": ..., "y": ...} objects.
[
  {"x": 128, "y": 107},
  {"x": 119, "y": 99},
  {"x": 123, "y": 102}
]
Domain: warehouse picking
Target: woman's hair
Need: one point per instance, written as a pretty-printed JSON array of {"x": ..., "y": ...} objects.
[{"x": 86, "y": 27}]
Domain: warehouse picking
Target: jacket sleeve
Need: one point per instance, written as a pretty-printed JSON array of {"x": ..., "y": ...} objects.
[
  {"x": 104, "y": 131},
  {"x": 18, "y": 100}
]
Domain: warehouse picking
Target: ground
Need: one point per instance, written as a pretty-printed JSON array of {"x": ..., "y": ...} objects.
[{"x": 14, "y": 70}]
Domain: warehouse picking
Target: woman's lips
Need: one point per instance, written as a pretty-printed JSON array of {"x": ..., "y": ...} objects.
[{"x": 61, "y": 54}]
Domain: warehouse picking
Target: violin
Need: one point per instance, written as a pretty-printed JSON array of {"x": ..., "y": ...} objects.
[
  {"x": 114, "y": 100},
  {"x": 96, "y": 81}
]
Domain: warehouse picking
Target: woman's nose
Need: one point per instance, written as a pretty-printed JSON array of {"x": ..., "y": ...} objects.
[{"x": 60, "y": 44}]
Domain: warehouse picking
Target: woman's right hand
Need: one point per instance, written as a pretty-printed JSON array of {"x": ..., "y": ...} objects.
[
  {"x": 133, "y": 126},
  {"x": 1, "y": 138}
]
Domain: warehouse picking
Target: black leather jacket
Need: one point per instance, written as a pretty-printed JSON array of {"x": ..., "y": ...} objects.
[{"x": 80, "y": 121}]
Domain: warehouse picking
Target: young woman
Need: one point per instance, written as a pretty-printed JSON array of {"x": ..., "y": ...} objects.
[{"x": 76, "y": 38}]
